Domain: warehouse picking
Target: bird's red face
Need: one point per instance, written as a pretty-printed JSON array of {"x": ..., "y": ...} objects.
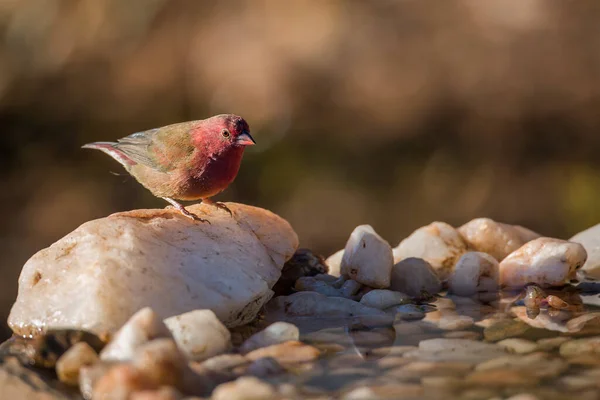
[{"x": 223, "y": 132}]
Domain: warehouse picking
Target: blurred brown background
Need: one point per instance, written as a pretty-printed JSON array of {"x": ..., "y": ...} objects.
[{"x": 393, "y": 113}]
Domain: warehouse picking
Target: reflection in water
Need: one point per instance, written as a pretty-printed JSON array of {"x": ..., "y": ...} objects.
[{"x": 534, "y": 341}]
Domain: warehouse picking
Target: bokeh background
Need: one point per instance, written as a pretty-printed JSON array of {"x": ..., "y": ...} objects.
[{"x": 393, "y": 113}]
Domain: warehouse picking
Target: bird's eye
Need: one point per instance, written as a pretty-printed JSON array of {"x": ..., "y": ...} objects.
[{"x": 225, "y": 133}]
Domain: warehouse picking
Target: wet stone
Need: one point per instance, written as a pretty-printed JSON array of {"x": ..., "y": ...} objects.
[{"x": 518, "y": 346}]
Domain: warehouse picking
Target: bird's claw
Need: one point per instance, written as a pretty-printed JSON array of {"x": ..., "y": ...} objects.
[
  {"x": 223, "y": 207},
  {"x": 184, "y": 212}
]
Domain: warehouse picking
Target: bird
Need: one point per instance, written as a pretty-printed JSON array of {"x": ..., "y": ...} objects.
[{"x": 186, "y": 161}]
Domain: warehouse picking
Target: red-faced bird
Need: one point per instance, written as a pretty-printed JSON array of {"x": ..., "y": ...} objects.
[{"x": 187, "y": 161}]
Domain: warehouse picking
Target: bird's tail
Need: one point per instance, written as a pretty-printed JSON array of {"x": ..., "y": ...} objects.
[{"x": 111, "y": 149}]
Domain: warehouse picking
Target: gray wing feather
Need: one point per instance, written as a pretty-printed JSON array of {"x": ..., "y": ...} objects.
[{"x": 136, "y": 146}]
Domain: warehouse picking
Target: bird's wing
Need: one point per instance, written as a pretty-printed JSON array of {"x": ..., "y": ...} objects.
[{"x": 161, "y": 148}]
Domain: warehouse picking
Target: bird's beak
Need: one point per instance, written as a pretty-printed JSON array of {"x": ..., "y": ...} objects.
[{"x": 244, "y": 139}]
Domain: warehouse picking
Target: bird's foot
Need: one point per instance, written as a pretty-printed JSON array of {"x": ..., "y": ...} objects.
[
  {"x": 217, "y": 204},
  {"x": 179, "y": 207}
]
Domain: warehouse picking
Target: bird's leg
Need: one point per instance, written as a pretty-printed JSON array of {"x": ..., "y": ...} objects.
[
  {"x": 179, "y": 207},
  {"x": 218, "y": 205}
]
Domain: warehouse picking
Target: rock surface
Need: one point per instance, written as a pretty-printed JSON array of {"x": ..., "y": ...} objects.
[
  {"x": 276, "y": 333},
  {"x": 367, "y": 258},
  {"x": 544, "y": 261},
  {"x": 99, "y": 275},
  {"x": 199, "y": 334},
  {"x": 495, "y": 238},
  {"x": 474, "y": 272},
  {"x": 437, "y": 243},
  {"x": 590, "y": 240},
  {"x": 415, "y": 277}
]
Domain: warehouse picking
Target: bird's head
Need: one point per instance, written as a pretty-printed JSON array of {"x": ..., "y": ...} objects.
[{"x": 223, "y": 132}]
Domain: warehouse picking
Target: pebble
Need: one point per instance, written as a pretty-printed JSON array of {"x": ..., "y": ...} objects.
[
  {"x": 69, "y": 364},
  {"x": 350, "y": 288},
  {"x": 428, "y": 368},
  {"x": 224, "y": 362},
  {"x": 460, "y": 350},
  {"x": 543, "y": 261},
  {"x": 518, "y": 346},
  {"x": 144, "y": 326},
  {"x": 576, "y": 382},
  {"x": 288, "y": 352},
  {"x": 505, "y": 328},
  {"x": 385, "y": 391},
  {"x": 367, "y": 258},
  {"x": 541, "y": 365},
  {"x": 164, "y": 393},
  {"x": 474, "y": 272},
  {"x": 89, "y": 375},
  {"x": 244, "y": 388},
  {"x": 415, "y": 277},
  {"x": 470, "y": 335},
  {"x": 120, "y": 382},
  {"x": 437, "y": 243},
  {"x": 390, "y": 351},
  {"x": 265, "y": 367},
  {"x": 501, "y": 378},
  {"x": 278, "y": 332},
  {"x": 199, "y": 334},
  {"x": 550, "y": 344},
  {"x": 495, "y": 238},
  {"x": 383, "y": 298},
  {"x": 311, "y": 284},
  {"x": 590, "y": 239},
  {"x": 314, "y": 304},
  {"x": 161, "y": 363},
  {"x": 578, "y": 347},
  {"x": 409, "y": 312},
  {"x": 334, "y": 262}
]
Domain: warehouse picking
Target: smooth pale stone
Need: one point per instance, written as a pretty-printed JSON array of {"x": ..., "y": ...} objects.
[
  {"x": 544, "y": 261},
  {"x": 437, "y": 243},
  {"x": 466, "y": 279},
  {"x": 317, "y": 305},
  {"x": 164, "y": 393},
  {"x": 334, "y": 262},
  {"x": 225, "y": 361},
  {"x": 161, "y": 363},
  {"x": 415, "y": 277},
  {"x": 120, "y": 382},
  {"x": 287, "y": 352},
  {"x": 382, "y": 298},
  {"x": 367, "y": 258},
  {"x": 464, "y": 350},
  {"x": 501, "y": 378},
  {"x": 199, "y": 334},
  {"x": 541, "y": 365},
  {"x": 518, "y": 346},
  {"x": 494, "y": 238},
  {"x": 144, "y": 326},
  {"x": 276, "y": 333},
  {"x": 590, "y": 239},
  {"x": 244, "y": 388},
  {"x": 99, "y": 275},
  {"x": 69, "y": 364},
  {"x": 579, "y": 347}
]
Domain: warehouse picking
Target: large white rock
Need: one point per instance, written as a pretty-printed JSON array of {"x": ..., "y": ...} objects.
[
  {"x": 334, "y": 262},
  {"x": 99, "y": 275},
  {"x": 367, "y": 258},
  {"x": 590, "y": 239},
  {"x": 544, "y": 261},
  {"x": 437, "y": 243},
  {"x": 199, "y": 334},
  {"x": 495, "y": 238}
]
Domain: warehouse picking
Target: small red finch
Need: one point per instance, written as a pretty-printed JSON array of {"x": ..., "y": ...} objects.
[{"x": 187, "y": 161}]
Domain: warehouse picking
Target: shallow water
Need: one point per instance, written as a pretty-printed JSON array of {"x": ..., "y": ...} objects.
[{"x": 489, "y": 348}]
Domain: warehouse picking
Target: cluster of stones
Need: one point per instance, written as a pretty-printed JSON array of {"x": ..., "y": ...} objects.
[{"x": 480, "y": 311}]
